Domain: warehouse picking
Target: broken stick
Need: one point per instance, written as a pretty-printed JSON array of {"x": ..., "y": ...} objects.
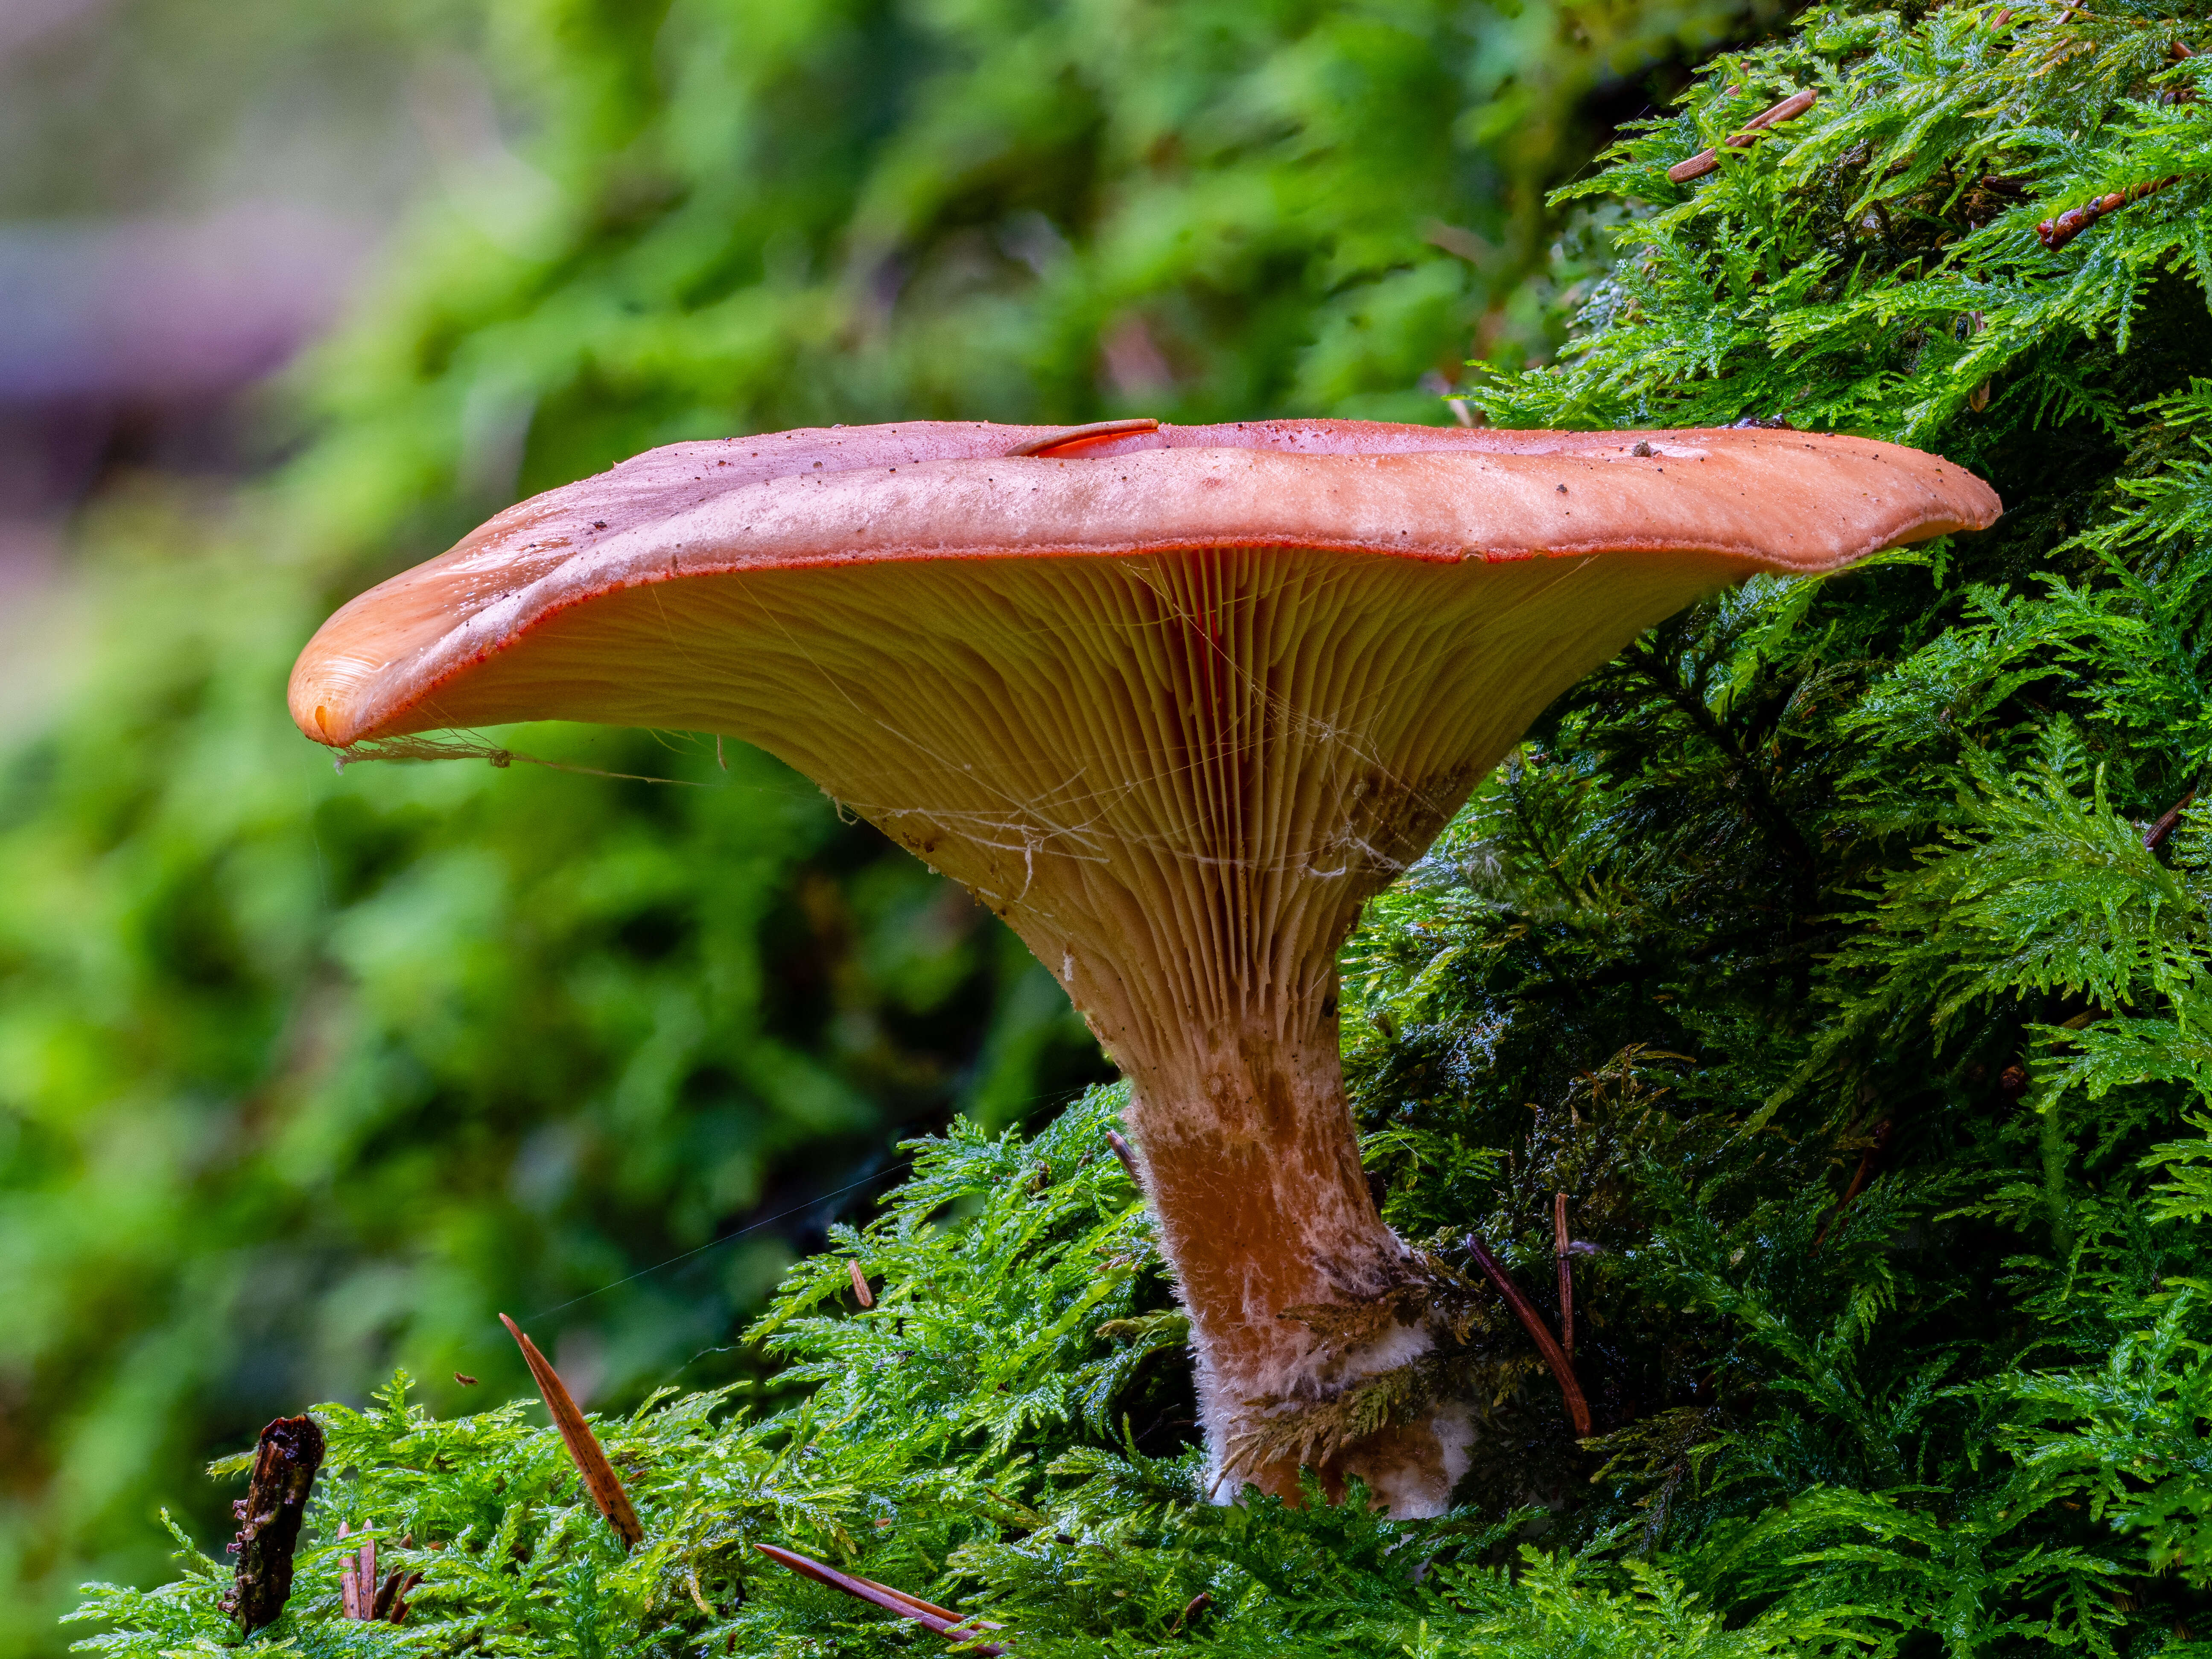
[
  {"x": 284, "y": 1465},
  {"x": 359, "y": 1595}
]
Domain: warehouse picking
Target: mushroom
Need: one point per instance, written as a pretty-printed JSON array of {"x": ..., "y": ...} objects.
[{"x": 1172, "y": 703}]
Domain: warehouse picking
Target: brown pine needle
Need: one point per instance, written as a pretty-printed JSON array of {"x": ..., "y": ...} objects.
[
  {"x": 942, "y": 1620},
  {"x": 1076, "y": 437},
  {"x": 2159, "y": 831},
  {"x": 1570, "y": 1389},
  {"x": 348, "y": 1578},
  {"x": 1126, "y": 1158},
  {"x": 599, "y": 1477},
  {"x": 1870, "y": 1162},
  {"x": 392, "y": 1604},
  {"x": 1566, "y": 1275},
  {"x": 1698, "y": 166},
  {"x": 860, "y": 1285}
]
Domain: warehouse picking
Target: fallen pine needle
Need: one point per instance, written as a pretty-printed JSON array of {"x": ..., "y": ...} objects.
[
  {"x": 599, "y": 1477},
  {"x": 1078, "y": 437},
  {"x": 943, "y": 1621},
  {"x": 1563, "y": 1371},
  {"x": 1698, "y": 166},
  {"x": 359, "y": 1592},
  {"x": 1127, "y": 1158},
  {"x": 1566, "y": 1276}
]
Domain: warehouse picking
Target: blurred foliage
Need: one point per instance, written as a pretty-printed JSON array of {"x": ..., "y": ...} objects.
[
  {"x": 305, "y": 1074},
  {"x": 301, "y": 1077},
  {"x": 1841, "y": 951},
  {"x": 164, "y": 108}
]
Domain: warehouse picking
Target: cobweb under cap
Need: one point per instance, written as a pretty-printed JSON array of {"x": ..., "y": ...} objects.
[{"x": 1174, "y": 703}]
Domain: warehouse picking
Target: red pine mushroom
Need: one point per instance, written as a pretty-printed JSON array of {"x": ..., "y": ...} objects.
[{"x": 1174, "y": 702}]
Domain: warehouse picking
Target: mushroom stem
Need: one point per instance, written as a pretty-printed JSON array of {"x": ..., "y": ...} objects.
[{"x": 1252, "y": 1166}]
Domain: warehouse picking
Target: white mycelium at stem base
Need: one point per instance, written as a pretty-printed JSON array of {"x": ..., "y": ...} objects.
[{"x": 1174, "y": 706}]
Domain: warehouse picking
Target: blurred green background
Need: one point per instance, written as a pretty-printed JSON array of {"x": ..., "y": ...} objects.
[{"x": 303, "y": 1076}]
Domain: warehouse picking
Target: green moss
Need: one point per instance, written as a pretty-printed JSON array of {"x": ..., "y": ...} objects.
[{"x": 979, "y": 1436}]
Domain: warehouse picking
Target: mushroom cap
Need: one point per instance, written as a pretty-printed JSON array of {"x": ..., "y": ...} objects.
[
  {"x": 1172, "y": 703},
  {"x": 446, "y": 644}
]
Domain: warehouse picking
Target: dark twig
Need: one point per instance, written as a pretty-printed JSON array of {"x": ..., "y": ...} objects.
[
  {"x": 1705, "y": 160},
  {"x": 931, "y": 1617},
  {"x": 2159, "y": 831},
  {"x": 1566, "y": 1276},
  {"x": 599, "y": 1477},
  {"x": 284, "y": 1465},
  {"x": 1747, "y": 773},
  {"x": 1562, "y": 1371}
]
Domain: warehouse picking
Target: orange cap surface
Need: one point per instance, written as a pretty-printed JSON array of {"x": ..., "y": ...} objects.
[{"x": 451, "y": 641}]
